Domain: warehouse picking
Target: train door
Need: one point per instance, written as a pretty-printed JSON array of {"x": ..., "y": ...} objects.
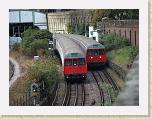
[{"x": 75, "y": 66}]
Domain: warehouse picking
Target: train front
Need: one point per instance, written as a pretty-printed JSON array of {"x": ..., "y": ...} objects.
[
  {"x": 75, "y": 66},
  {"x": 96, "y": 55}
]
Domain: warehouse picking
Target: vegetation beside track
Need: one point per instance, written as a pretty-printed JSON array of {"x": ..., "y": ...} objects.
[
  {"x": 46, "y": 69},
  {"x": 119, "y": 50}
]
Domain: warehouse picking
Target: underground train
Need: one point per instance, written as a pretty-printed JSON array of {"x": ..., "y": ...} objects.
[
  {"x": 94, "y": 51},
  {"x": 72, "y": 57}
]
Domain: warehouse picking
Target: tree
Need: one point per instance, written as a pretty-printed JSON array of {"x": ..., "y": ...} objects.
[
  {"x": 99, "y": 14},
  {"x": 70, "y": 28},
  {"x": 115, "y": 14},
  {"x": 34, "y": 40}
]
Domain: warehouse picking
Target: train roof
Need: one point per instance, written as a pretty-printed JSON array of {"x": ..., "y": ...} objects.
[
  {"x": 87, "y": 42},
  {"x": 70, "y": 48}
]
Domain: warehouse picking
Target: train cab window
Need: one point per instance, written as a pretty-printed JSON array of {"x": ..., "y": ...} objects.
[
  {"x": 68, "y": 62},
  {"x": 96, "y": 52},
  {"x": 81, "y": 61},
  {"x": 75, "y": 62},
  {"x": 90, "y": 52},
  {"x": 101, "y": 51}
]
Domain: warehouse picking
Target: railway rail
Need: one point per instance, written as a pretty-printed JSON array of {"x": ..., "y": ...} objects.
[
  {"x": 99, "y": 86},
  {"x": 74, "y": 95},
  {"x": 107, "y": 87}
]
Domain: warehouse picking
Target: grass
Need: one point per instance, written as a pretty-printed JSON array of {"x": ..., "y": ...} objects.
[{"x": 123, "y": 56}]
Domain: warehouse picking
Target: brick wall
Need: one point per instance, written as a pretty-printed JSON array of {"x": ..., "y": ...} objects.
[{"x": 125, "y": 28}]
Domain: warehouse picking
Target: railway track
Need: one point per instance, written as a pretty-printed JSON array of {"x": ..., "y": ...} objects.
[
  {"x": 102, "y": 93},
  {"x": 74, "y": 95},
  {"x": 59, "y": 94},
  {"x": 107, "y": 87},
  {"x": 98, "y": 89},
  {"x": 113, "y": 88}
]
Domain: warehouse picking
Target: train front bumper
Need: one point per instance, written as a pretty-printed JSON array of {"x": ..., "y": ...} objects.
[{"x": 75, "y": 76}]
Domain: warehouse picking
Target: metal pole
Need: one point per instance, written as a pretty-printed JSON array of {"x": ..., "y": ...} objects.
[{"x": 85, "y": 26}]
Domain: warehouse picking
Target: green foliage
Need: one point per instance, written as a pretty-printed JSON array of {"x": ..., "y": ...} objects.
[
  {"x": 43, "y": 71},
  {"x": 70, "y": 28},
  {"x": 115, "y": 14},
  {"x": 124, "y": 55},
  {"x": 113, "y": 41},
  {"x": 77, "y": 29},
  {"x": 37, "y": 45},
  {"x": 98, "y": 14},
  {"x": 34, "y": 40}
]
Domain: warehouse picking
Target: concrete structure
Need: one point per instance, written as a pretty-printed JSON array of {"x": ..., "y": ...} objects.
[
  {"x": 57, "y": 22},
  {"x": 95, "y": 34}
]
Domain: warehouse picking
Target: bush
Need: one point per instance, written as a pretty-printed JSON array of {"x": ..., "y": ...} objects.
[
  {"x": 113, "y": 41},
  {"x": 36, "y": 45},
  {"x": 123, "y": 56},
  {"x": 34, "y": 40},
  {"x": 46, "y": 71}
]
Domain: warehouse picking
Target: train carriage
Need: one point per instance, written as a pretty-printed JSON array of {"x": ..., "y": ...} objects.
[
  {"x": 95, "y": 52},
  {"x": 72, "y": 57}
]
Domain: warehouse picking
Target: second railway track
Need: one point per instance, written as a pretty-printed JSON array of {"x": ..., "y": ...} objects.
[{"x": 98, "y": 89}]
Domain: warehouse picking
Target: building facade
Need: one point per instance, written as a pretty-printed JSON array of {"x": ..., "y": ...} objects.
[{"x": 57, "y": 22}]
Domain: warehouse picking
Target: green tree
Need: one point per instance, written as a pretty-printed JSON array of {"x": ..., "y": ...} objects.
[
  {"x": 115, "y": 14},
  {"x": 33, "y": 40},
  {"x": 70, "y": 28}
]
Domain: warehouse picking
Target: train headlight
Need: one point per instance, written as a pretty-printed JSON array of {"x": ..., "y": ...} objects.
[
  {"x": 100, "y": 57},
  {"x": 91, "y": 57}
]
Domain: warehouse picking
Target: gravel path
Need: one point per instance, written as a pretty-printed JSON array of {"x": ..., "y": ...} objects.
[{"x": 16, "y": 71}]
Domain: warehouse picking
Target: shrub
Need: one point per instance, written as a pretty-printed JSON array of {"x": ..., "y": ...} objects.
[
  {"x": 124, "y": 56},
  {"x": 34, "y": 40},
  {"x": 46, "y": 71},
  {"x": 37, "y": 45},
  {"x": 113, "y": 41}
]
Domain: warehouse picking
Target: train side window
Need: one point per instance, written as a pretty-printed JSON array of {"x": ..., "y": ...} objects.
[
  {"x": 68, "y": 62},
  {"x": 75, "y": 62},
  {"x": 81, "y": 61},
  {"x": 101, "y": 51}
]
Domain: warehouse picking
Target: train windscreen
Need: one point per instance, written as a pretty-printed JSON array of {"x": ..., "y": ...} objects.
[
  {"x": 101, "y": 51},
  {"x": 68, "y": 62},
  {"x": 81, "y": 61}
]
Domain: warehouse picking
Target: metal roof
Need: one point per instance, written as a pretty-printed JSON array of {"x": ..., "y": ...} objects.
[
  {"x": 70, "y": 48},
  {"x": 87, "y": 42}
]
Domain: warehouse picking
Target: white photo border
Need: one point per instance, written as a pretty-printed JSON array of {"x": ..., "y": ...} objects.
[{"x": 142, "y": 109}]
